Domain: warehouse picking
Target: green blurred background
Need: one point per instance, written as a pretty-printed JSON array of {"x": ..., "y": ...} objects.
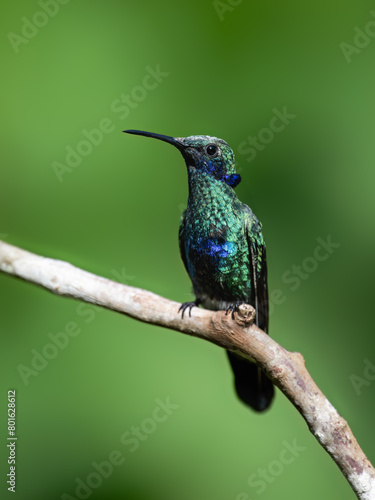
[{"x": 223, "y": 67}]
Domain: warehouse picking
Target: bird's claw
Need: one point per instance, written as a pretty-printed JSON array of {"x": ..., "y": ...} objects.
[
  {"x": 233, "y": 307},
  {"x": 187, "y": 305}
]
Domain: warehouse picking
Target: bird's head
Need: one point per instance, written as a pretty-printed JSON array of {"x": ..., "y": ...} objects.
[{"x": 203, "y": 154}]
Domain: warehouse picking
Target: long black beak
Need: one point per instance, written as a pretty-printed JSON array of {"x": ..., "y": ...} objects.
[{"x": 166, "y": 138}]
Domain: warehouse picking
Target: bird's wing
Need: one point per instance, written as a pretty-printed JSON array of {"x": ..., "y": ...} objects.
[
  {"x": 181, "y": 240},
  {"x": 258, "y": 265},
  {"x": 253, "y": 387}
]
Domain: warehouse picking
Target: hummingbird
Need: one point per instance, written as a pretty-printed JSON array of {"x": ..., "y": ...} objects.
[{"x": 223, "y": 249}]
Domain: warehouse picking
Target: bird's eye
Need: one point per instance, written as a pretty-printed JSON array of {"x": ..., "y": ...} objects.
[{"x": 212, "y": 150}]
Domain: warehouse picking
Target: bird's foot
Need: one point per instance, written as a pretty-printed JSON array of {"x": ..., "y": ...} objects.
[
  {"x": 188, "y": 305},
  {"x": 234, "y": 308}
]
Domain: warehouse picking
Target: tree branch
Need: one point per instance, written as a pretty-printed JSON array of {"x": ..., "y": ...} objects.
[{"x": 286, "y": 369}]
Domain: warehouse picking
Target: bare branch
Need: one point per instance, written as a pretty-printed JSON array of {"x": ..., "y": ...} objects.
[{"x": 286, "y": 369}]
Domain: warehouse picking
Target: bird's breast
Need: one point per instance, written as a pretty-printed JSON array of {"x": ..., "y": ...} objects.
[{"x": 217, "y": 257}]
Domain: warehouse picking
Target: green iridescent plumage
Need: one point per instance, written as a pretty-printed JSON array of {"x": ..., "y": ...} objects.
[
  {"x": 215, "y": 233},
  {"x": 222, "y": 247}
]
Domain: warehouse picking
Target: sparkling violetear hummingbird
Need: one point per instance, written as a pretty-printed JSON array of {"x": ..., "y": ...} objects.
[{"x": 223, "y": 249}]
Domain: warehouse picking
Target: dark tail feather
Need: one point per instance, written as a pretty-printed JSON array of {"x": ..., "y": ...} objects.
[{"x": 253, "y": 387}]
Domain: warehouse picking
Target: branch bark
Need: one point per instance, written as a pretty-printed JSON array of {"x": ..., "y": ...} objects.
[{"x": 286, "y": 369}]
